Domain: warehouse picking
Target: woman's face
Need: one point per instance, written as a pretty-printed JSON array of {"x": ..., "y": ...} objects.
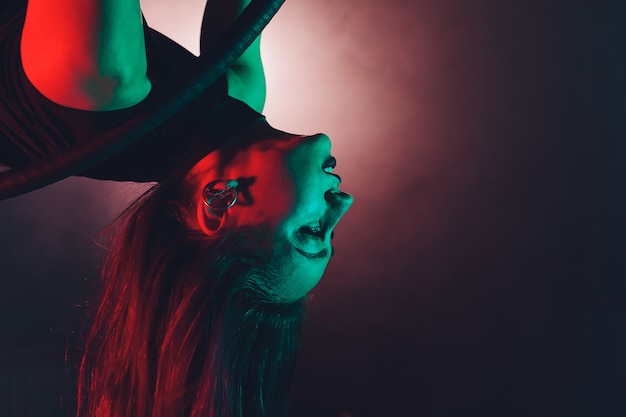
[{"x": 288, "y": 183}]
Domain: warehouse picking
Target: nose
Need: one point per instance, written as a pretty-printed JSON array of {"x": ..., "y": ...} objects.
[{"x": 339, "y": 203}]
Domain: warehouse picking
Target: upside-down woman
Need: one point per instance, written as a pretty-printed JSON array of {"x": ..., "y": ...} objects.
[{"x": 204, "y": 283}]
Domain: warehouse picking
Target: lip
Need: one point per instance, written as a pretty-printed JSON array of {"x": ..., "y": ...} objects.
[{"x": 331, "y": 162}]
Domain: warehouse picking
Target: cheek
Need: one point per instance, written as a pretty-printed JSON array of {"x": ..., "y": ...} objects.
[
  {"x": 273, "y": 191},
  {"x": 280, "y": 199},
  {"x": 309, "y": 202}
]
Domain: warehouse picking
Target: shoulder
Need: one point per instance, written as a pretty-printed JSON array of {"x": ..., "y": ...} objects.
[
  {"x": 246, "y": 78},
  {"x": 247, "y": 85}
]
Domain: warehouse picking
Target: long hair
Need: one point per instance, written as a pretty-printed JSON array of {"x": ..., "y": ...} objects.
[{"x": 185, "y": 325}]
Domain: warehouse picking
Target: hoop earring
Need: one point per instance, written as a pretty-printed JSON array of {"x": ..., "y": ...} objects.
[{"x": 220, "y": 195}]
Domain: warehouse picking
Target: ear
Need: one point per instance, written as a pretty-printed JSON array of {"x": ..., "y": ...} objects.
[{"x": 210, "y": 222}]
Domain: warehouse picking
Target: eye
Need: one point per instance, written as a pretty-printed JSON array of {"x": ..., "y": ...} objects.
[
  {"x": 311, "y": 239},
  {"x": 314, "y": 231}
]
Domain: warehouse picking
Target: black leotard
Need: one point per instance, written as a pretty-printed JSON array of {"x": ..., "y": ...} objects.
[{"x": 31, "y": 126}]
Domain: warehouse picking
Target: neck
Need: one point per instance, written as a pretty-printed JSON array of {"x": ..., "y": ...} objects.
[{"x": 213, "y": 163}]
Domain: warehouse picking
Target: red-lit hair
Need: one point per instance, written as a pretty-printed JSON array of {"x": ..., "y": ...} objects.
[{"x": 184, "y": 325}]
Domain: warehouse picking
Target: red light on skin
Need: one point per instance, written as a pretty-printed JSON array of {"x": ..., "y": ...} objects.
[
  {"x": 266, "y": 191},
  {"x": 77, "y": 55},
  {"x": 284, "y": 183}
]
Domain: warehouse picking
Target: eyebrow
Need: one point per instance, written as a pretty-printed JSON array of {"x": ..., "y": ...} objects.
[{"x": 323, "y": 254}]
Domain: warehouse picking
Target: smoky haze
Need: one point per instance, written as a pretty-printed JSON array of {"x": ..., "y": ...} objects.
[{"x": 480, "y": 270}]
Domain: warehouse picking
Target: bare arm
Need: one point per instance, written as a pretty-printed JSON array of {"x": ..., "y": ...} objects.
[
  {"x": 86, "y": 54},
  {"x": 246, "y": 78}
]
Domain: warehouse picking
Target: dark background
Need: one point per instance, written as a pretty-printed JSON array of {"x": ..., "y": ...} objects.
[{"x": 481, "y": 269}]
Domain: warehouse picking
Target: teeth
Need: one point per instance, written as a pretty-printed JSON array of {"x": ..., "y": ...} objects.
[{"x": 328, "y": 170}]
